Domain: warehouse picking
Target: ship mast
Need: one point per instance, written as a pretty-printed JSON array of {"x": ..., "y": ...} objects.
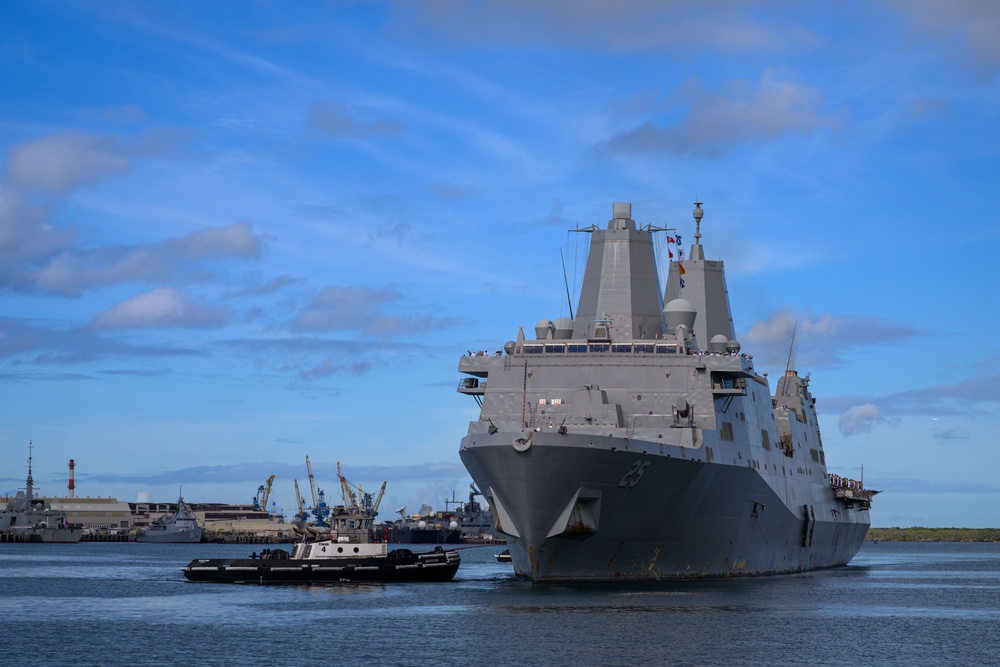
[
  {"x": 620, "y": 295},
  {"x": 29, "y": 483},
  {"x": 703, "y": 283}
]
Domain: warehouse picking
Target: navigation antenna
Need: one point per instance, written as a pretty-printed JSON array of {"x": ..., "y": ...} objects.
[
  {"x": 569, "y": 299},
  {"x": 698, "y": 214},
  {"x": 791, "y": 346}
]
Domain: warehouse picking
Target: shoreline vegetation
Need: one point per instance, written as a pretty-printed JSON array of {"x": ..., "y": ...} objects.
[{"x": 920, "y": 534}]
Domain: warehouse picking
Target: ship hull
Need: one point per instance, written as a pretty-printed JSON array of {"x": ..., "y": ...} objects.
[
  {"x": 400, "y": 565},
  {"x": 46, "y": 535},
  {"x": 171, "y": 536},
  {"x": 583, "y": 508},
  {"x": 422, "y": 536}
]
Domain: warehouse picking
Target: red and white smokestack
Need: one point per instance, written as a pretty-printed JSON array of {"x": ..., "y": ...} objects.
[{"x": 72, "y": 484}]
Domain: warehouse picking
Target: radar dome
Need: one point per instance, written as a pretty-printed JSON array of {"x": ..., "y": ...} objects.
[
  {"x": 543, "y": 328},
  {"x": 509, "y": 346},
  {"x": 422, "y": 525},
  {"x": 733, "y": 346},
  {"x": 453, "y": 525},
  {"x": 677, "y": 312},
  {"x": 718, "y": 343}
]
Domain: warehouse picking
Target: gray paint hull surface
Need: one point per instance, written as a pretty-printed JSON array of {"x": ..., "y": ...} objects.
[
  {"x": 681, "y": 518},
  {"x": 182, "y": 536}
]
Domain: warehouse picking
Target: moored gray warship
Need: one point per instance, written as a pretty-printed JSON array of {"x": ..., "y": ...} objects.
[
  {"x": 635, "y": 441},
  {"x": 180, "y": 527},
  {"x": 26, "y": 518}
]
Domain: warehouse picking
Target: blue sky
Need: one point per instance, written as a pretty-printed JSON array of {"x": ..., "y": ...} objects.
[{"x": 234, "y": 234}]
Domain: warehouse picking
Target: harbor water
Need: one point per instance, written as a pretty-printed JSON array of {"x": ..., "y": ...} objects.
[{"x": 129, "y": 604}]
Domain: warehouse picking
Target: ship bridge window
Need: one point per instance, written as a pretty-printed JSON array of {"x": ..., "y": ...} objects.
[
  {"x": 644, "y": 349},
  {"x": 599, "y": 347},
  {"x": 621, "y": 349},
  {"x": 576, "y": 348},
  {"x": 555, "y": 349},
  {"x": 532, "y": 349},
  {"x": 666, "y": 349}
]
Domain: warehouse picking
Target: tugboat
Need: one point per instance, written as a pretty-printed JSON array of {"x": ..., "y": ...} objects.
[
  {"x": 342, "y": 551},
  {"x": 30, "y": 519},
  {"x": 181, "y": 527}
]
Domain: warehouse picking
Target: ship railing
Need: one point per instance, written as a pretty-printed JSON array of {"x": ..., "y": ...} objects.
[{"x": 598, "y": 348}]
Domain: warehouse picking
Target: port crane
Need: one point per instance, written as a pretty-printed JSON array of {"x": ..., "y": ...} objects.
[
  {"x": 351, "y": 496},
  {"x": 320, "y": 510},
  {"x": 263, "y": 491},
  {"x": 301, "y": 515}
]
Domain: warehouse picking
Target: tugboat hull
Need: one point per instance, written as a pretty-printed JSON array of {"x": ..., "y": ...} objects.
[{"x": 400, "y": 565}]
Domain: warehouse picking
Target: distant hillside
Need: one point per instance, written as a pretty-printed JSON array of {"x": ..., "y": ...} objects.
[{"x": 934, "y": 534}]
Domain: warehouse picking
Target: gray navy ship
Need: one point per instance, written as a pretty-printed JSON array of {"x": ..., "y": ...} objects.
[
  {"x": 27, "y": 518},
  {"x": 181, "y": 527},
  {"x": 635, "y": 441}
]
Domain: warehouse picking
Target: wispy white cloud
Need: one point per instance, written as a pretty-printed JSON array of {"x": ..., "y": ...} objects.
[
  {"x": 922, "y": 487},
  {"x": 118, "y": 114},
  {"x": 746, "y": 113},
  {"x": 971, "y": 26},
  {"x": 362, "y": 309},
  {"x": 335, "y": 120},
  {"x": 308, "y": 359},
  {"x": 344, "y": 308},
  {"x": 950, "y": 434},
  {"x": 36, "y": 255},
  {"x": 233, "y": 240},
  {"x": 36, "y": 343},
  {"x": 73, "y": 271},
  {"x": 25, "y": 234},
  {"x": 334, "y": 366},
  {"x": 974, "y": 395},
  {"x": 62, "y": 162},
  {"x": 164, "y": 308},
  {"x": 623, "y": 26},
  {"x": 860, "y": 419},
  {"x": 820, "y": 339}
]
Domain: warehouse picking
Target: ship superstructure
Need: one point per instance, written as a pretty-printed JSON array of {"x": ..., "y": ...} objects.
[
  {"x": 28, "y": 518},
  {"x": 636, "y": 441},
  {"x": 180, "y": 527}
]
